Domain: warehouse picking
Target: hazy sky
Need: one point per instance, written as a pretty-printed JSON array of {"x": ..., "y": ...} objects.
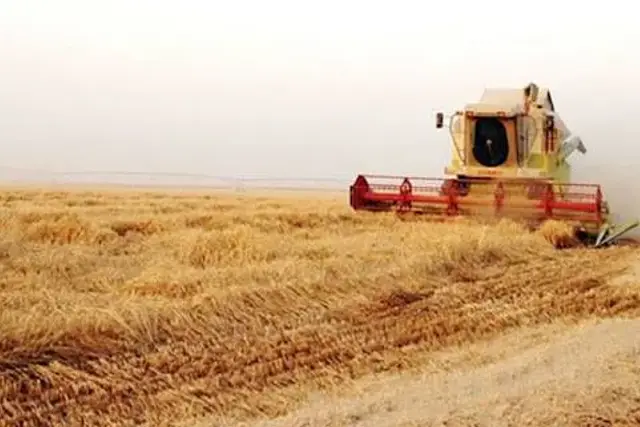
[{"x": 298, "y": 88}]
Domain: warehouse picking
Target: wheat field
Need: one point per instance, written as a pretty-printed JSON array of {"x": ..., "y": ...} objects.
[{"x": 132, "y": 307}]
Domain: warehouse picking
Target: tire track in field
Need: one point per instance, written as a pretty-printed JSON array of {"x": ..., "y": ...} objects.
[{"x": 236, "y": 374}]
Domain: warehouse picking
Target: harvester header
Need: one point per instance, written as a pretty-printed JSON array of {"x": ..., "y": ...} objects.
[{"x": 510, "y": 153}]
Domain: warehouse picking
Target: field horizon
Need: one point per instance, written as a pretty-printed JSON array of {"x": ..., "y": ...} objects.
[{"x": 188, "y": 307}]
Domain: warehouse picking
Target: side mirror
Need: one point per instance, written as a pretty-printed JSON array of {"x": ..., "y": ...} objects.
[{"x": 439, "y": 120}]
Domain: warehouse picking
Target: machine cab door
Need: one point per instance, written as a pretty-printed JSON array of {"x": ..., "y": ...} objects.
[{"x": 491, "y": 140}]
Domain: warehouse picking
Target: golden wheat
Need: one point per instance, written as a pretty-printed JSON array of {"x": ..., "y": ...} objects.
[
  {"x": 150, "y": 307},
  {"x": 560, "y": 234}
]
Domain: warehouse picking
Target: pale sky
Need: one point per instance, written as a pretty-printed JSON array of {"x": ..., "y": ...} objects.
[{"x": 297, "y": 88}]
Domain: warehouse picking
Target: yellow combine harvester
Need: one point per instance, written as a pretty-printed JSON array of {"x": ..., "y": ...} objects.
[{"x": 510, "y": 152}]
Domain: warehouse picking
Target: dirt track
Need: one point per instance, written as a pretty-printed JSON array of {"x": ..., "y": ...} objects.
[
  {"x": 238, "y": 315},
  {"x": 551, "y": 375}
]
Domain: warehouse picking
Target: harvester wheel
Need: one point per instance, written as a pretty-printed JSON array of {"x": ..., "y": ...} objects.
[
  {"x": 446, "y": 186},
  {"x": 461, "y": 188}
]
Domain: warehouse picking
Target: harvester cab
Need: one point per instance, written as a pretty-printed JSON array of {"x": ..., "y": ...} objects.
[{"x": 510, "y": 154}]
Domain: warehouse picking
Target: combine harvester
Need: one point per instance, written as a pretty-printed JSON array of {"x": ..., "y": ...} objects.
[{"x": 510, "y": 154}]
